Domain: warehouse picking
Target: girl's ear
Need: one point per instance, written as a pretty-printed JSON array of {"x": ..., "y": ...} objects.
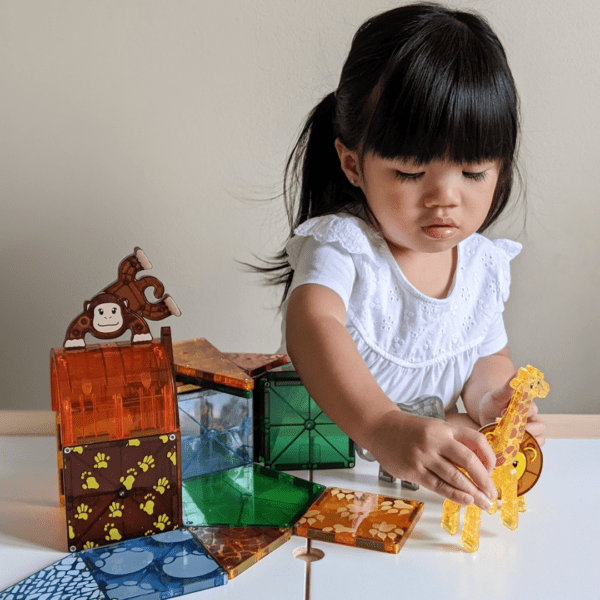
[{"x": 349, "y": 163}]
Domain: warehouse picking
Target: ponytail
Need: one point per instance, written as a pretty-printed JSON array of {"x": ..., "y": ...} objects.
[{"x": 314, "y": 183}]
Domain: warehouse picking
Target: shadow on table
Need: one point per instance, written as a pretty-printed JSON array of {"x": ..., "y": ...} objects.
[{"x": 31, "y": 523}]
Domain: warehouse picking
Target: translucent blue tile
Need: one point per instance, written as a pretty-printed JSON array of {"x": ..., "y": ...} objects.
[
  {"x": 67, "y": 579},
  {"x": 152, "y": 568},
  {"x": 216, "y": 432}
]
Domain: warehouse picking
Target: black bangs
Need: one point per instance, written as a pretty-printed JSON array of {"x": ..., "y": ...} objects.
[{"x": 444, "y": 95}]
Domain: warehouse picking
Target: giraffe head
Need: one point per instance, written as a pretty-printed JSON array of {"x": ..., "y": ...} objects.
[{"x": 530, "y": 380}]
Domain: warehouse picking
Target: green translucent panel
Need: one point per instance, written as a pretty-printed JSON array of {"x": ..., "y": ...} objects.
[
  {"x": 247, "y": 496},
  {"x": 296, "y": 447},
  {"x": 292, "y": 432}
]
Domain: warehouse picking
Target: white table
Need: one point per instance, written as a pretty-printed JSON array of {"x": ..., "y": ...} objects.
[{"x": 554, "y": 553}]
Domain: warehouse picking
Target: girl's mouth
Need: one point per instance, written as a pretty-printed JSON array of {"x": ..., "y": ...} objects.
[{"x": 440, "y": 229}]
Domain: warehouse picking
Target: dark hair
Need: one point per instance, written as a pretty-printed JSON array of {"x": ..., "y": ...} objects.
[{"x": 421, "y": 82}]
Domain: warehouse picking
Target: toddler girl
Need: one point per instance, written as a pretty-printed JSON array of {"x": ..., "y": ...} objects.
[{"x": 391, "y": 293}]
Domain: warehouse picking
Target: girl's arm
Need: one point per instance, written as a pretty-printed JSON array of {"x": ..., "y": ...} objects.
[
  {"x": 487, "y": 393},
  {"x": 425, "y": 451}
]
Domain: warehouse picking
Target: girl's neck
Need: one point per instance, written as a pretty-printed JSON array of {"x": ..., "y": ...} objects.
[{"x": 432, "y": 274}]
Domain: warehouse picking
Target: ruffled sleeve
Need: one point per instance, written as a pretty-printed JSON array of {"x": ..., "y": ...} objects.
[
  {"x": 506, "y": 250},
  {"x": 345, "y": 232}
]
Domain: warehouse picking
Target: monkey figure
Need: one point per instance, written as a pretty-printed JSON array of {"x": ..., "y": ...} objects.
[
  {"x": 133, "y": 290},
  {"x": 106, "y": 316}
]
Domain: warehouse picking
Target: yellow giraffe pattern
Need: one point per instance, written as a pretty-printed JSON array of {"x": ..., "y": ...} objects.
[{"x": 505, "y": 439}]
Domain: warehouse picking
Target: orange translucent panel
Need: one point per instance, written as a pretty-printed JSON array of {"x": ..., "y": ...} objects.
[
  {"x": 238, "y": 548},
  {"x": 257, "y": 364},
  {"x": 113, "y": 391},
  {"x": 199, "y": 358},
  {"x": 360, "y": 519}
]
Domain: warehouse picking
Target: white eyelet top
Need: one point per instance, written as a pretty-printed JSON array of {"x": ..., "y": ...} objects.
[{"x": 413, "y": 344}]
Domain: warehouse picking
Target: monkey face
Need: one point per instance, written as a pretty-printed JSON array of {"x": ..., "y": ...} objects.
[{"x": 108, "y": 317}]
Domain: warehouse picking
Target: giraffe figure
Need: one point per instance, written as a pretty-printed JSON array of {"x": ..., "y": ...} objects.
[{"x": 505, "y": 438}]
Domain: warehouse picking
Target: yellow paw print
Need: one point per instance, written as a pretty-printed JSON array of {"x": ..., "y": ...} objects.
[
  {"x": 129, "y": 480},
  {"x": 342, "y": 494},
  {"x": 101, "y": 461},
  {"x": 311, "y": 517},
  {"x": 113, "y": 534},
  {"x": 133, "y": 442},
  {"x": 83, "y": 511},
  {"x": 89, "y": 544},
  {"x": 149, "y": 532},
  {"x": 164, "y": 438},
  {"x": 146, "y": 463},
  {"x": 148, "y": 505},
  {"x": 398, "y": 506},
  {"x": 90, "y": 482},
  {"x": 162, "y": 485},
  {"x": 163, "y": 521},
  {"x": 71, "y": 532},
  {"x": 77, "y": 449},
  {"x": 386, "y": 530},
  {"x": 172, "y": 456},
  {"x": 116, "y": 510}
]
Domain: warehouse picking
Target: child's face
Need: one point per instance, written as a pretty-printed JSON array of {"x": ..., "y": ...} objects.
[{"x": 431, "y": 207}]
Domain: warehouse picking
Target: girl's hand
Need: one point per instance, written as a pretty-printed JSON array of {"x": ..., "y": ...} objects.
[
  {"x": 494, "y": 405},
  {"x": 429, "y": 451}
]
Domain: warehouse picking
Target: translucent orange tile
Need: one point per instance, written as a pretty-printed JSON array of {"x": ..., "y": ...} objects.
[
  {"x": 238, "y": 548},
  {"x": 360, "y": 519},
  {"x": 113, "y": 391},
  {"x": 257, "y": 364},
  {"x": 200, "y": 359}
]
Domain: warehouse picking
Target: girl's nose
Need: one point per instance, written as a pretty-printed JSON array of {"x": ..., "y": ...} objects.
[{"x": 443, "y": 195}]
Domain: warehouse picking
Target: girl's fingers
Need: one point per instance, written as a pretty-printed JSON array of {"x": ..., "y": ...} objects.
[
  {"x": 481, "y": 487},
  {"x": 439, "y": 486},
  {"x": 451, "y": 483},
  {"x": 476, "y": 442}
]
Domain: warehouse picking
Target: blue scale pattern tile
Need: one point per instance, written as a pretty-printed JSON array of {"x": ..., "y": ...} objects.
[
  {"x": 162, "y": 566},
  {"x": 67, "y": 579}
]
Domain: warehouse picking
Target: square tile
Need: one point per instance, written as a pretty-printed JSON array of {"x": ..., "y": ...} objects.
[
  {"x": 216, "y": 431},
  {"x": 122, "y": 489},
  {"x": 165, "y": 565},
  {"x": 360, "y": 519}
]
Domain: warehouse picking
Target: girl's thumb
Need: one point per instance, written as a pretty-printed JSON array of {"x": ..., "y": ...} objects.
[{"x": 503, "y": 395}]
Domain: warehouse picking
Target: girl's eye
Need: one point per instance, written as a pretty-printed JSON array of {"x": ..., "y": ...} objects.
[
  {"x": 408, "y": 176},
  {"x": 475, "y": 176}
]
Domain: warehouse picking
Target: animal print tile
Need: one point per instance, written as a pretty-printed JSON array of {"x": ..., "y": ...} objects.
[
  {"x": 161, "y": 566},
  {"x": 359, "y": 519},
  {"x": 122, "y": 489},
  {"x": 238, "y": 548},
  {"x": 67, "y": 579}
]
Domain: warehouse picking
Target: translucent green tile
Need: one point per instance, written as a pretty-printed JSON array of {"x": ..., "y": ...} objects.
[
  {"x": 291, "y": 431},
  {"x": 247, "y": 496}
]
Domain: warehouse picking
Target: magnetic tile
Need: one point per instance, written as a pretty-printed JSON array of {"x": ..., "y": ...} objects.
[
  {"x": 291, "y": 431},
  {"x": 360, "y": 519},
  {"x": 165, "y": 565},
  {"x": 122, "y": 489},
  {"x": 198, "y": 358},
  {"x": 67, "y": 579},
  {"x": 257, "y": 364},
  {"x": 247, "y": 496},
  {"x": 112, "y": 391},
  {"x": 216, "y": 431},
  {"x": 238, "y": 548}
]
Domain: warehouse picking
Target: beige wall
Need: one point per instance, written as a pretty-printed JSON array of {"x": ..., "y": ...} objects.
[{"x": 157, "y": 123}]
